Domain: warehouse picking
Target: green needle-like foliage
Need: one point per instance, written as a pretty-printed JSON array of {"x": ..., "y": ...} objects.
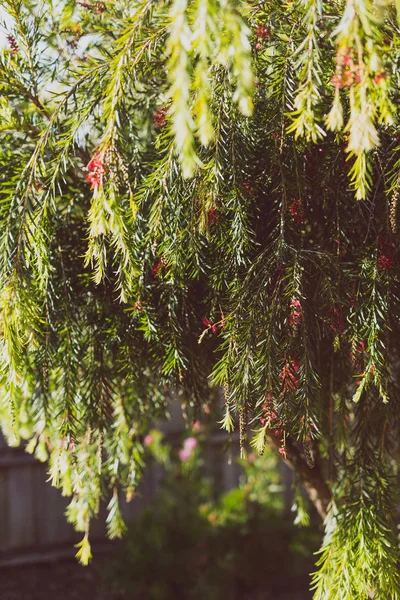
[{"x": 201, "y": 196}]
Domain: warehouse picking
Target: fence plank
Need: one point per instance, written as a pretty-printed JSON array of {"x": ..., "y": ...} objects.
[
  {"x": 20, "y": 508},
  {"x": 4, "y": 526},
  {"x": 51, "y": 523}
]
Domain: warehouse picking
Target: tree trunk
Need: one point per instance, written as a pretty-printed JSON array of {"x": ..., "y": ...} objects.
[{"x": 312, "y": 478}]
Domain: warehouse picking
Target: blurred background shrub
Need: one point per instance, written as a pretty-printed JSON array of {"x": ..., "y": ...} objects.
[{"x": 192, "y": 543}]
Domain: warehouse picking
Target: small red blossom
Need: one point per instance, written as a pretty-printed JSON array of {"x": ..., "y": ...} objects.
[
  {"x": 267, "y": 411},
  {"x": 137, "y": 305},
  {"x": 263, "y": 32},
  {"x": 252, "y": 457},
  {"x": 211, "y": 216},
  {"x": 336, "y": 320},
  {"x": 378, "y": 77},
  {"x": 160, "y": 263},
  {"x": 386, "y": 260},
  {"x": 296, "y": 314},
  {"x": 290, "y": 375},
  {"x": 353, "y": 300},
  {"x": 14, "y": 48},
  {"x": 160, "y": 117},
  {"x": 72, "y": 44},
  {"x": 38, "y": 185},
  {"x": 346, "y": 78},
  {"x": 249, "y": 188},
  {"x": 282, "y": 451},
  {"x": 97, "y": 170},
  {"x": 97, "y": 7},
  {"x": 343, "y": 57},
  {"x": 296, "y": 211},
  {"x": 213, "y": 327},
  {"x": 357, "y": 348},
  {"x": 347, "y": 71},
  {"x": 269, "y": 415}
]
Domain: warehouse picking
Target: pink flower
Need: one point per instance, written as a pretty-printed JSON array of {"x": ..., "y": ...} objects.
[
  {"x": 148, "y": 440},
  {"x": 282, "y": 451},
  {"x": 184, "y": 455},
  {"x": 190, "y": 444},
  {"x": 196, "y": 426},
  {"x": 186, "y": 452}
]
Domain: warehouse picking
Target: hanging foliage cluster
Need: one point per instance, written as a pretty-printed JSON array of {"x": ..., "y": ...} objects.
[{"x": 198, "y": 194}]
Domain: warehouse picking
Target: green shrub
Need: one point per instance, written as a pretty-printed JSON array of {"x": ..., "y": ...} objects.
[{"x": 187, "y": 545}]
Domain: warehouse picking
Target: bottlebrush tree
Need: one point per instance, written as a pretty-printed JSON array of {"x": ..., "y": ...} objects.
[{"x": 203, "y": 193}]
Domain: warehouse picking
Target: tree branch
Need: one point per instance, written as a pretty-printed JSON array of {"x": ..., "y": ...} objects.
[{"x": 312, "y": 479}]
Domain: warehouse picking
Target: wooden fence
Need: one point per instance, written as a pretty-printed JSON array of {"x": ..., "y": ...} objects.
[{"x": 33, "y": 525}]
